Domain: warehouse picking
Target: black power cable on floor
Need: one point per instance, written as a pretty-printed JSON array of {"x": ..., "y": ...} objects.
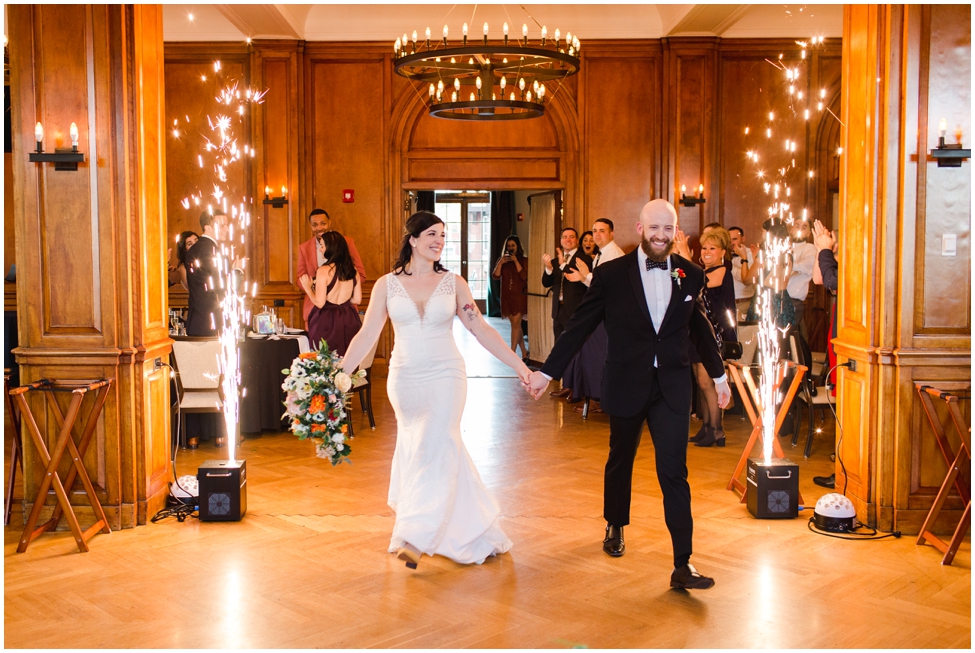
[{"x": 850, "y": 535}]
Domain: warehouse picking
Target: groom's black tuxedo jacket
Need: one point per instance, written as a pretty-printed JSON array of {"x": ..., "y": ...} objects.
[{"x": 616, "y": 298}]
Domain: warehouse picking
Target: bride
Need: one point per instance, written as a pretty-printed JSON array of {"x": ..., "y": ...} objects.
[{"x": 441, "y": 505}]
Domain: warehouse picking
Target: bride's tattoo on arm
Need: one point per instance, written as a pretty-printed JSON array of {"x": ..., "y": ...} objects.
[{"x": 470, "y": 310}]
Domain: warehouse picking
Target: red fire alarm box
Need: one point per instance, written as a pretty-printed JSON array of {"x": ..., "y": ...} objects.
[{"x": 348, "y": 195}]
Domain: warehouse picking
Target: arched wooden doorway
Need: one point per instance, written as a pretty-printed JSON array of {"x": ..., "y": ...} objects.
[{"x": 429, "y": 153}]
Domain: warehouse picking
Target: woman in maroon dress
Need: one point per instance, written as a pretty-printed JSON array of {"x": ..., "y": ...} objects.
[
  {"x": 512, "y": 270},
  {"x": 336, "y": 292}
]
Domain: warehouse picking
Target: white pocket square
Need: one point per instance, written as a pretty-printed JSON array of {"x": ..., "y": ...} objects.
[{"x": 688, "y": 298}]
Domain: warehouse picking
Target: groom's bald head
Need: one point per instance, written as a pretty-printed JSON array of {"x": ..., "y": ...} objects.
[{"x": 657, "y": 227}]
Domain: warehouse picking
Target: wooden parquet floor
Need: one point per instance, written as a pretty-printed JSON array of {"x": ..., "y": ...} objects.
[{"x": 307, "y": 566}]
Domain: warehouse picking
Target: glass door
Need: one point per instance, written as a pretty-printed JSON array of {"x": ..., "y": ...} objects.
[{"x": 467, "y": 252}]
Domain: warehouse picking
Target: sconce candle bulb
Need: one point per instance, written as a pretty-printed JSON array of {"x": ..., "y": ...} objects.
[
  {"x": 39, "y": 136},
  {"x": 73, "y": 133}
]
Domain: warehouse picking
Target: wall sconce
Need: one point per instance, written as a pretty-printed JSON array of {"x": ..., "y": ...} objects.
[
  {"x": 276, "y": 202},
  {"x": 949, "y": 156},
  {"x": 63, "y": 158},
  {"x": 691, "y": 202}
]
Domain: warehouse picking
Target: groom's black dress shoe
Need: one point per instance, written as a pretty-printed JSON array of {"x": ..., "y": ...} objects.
[
  {"x": 687, "y": 578},
  {"x": 613, "y": 544}
]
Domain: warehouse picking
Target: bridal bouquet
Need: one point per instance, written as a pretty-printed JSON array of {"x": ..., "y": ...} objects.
[{"x": 317, "y": 387}]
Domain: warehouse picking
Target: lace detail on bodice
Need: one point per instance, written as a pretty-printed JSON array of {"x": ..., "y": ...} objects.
[{"x": 429, "y": 321}]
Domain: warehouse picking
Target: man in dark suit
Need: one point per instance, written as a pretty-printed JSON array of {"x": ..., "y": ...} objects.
[
  {"x": 566, "y": 294},
  {"x": 650, "y": 303},
  {"x": 202, "y": 278}
]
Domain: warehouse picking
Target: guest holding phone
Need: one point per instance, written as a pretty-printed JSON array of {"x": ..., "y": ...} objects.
[{"x": 512, "y": 270}]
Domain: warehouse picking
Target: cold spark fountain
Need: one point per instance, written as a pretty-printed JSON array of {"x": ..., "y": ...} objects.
[{"x": 220, "y": 153}]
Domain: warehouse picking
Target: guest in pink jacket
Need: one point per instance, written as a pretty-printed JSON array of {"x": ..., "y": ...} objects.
[{"x": 311, "y": 257}]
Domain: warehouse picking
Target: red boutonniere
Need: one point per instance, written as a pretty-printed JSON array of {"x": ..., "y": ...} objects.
[{"x": 677, "y": 274}]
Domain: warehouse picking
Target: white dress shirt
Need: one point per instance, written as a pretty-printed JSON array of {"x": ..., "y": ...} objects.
[
  {"x": 608, "y": 253},
  {"x": 742, "y": 290},
  {"x": 565, "y": 259},
  {"x": 657, "y": 289},
  {"x": 803, "y": 260}
]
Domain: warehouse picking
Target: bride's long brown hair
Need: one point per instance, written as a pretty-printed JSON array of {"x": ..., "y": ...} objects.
[{"x": 415, "y": 225}]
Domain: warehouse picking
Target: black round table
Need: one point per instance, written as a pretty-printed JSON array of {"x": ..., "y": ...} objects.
[{"x": 261, "y": 362}]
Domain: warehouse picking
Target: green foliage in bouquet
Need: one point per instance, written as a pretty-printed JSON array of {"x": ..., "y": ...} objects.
[{"x": 317, "y": 388}]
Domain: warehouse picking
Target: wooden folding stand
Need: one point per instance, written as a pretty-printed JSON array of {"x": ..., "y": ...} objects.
[
  {"x": 16, "y": 449},
  {"x": 51, "y": 461},
  {"x": 955, "y": 464},
  {"x": 749, "y": 397}
]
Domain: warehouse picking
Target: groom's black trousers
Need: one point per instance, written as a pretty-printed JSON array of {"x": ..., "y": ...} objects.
[{"x": 668, "y": 430}]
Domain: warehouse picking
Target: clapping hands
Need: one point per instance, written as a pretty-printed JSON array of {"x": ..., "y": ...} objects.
[
  {"x": 681, "y": 246},
  {"x": 580, "y": 273},
  {"x": 823, "y": 238}
]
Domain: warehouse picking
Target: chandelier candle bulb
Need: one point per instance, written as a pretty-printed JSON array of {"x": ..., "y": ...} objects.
[
  {"x": 465, "y": 34},
  {"x": 528, "y": 96},
  {"x": 428, "y": 38},
  {"x": 445, "y": 32},
  {"x": 544, "y": 35},
  {"x": 485, "y": 33},
  {"x": 557, "y": 34},
  {"x": 505, "y": 30},
  {"x": 413, "y": 47}
]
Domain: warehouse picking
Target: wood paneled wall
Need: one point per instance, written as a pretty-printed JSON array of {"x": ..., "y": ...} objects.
[
  {"x": 91, "y": 243},
  {"x": 641, "y": 118},
  {"x": 904, "y": 308}
]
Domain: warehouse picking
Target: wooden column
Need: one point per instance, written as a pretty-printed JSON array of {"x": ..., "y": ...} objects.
[
  {"x": 91, "y": 243},
  {"x": 904, "y": 305},
  {"x": 690, "y": 81},
  {"x": 276, "y": 66}
]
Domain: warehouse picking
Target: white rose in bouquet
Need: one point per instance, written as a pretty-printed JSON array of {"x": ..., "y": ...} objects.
[{"x": 343, "y": 382}]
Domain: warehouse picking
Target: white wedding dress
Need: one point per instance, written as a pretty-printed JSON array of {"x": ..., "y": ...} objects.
[{"x": 441, "y": 505}]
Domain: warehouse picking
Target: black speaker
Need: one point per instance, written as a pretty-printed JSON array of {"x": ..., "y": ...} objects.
[
  {"x": 773, "y": 490},
  {"x": 223, "y": 490}
]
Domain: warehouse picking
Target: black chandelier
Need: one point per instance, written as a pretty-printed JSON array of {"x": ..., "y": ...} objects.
[{"x": 481, "y": 80}]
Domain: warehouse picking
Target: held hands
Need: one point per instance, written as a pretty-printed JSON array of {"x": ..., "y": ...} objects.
[
  {"x": 535, "y": 385},
  {"x": 822, "y": 237},
  {"x": 580, "y": 273},
  {"x": 724, "y": 393}
]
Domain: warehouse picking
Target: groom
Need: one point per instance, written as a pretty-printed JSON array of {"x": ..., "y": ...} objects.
[{"x": 650, "y": 303}]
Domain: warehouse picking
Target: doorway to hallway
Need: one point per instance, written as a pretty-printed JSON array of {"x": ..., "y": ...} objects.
[{"x": 467, "y": 215}]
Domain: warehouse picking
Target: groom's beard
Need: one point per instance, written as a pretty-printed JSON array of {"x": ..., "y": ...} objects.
[{"x": 655, "y": 255}]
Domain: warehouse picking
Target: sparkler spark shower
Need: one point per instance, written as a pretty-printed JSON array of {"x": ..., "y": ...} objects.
[
  {"x": 219, "y": 154},
  {"x": 775, "y": 257}
]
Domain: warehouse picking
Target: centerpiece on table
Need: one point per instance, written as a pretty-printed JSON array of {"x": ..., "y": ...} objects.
[{"x": 317, "y": 391}]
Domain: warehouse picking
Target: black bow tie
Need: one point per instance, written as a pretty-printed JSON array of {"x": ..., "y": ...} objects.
[{"x": 654, "y": 265}]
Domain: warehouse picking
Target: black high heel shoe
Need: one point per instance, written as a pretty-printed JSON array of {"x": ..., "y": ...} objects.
[
  {"x": 703, "y": 433},
  {"x": 714, "y": 437}
]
